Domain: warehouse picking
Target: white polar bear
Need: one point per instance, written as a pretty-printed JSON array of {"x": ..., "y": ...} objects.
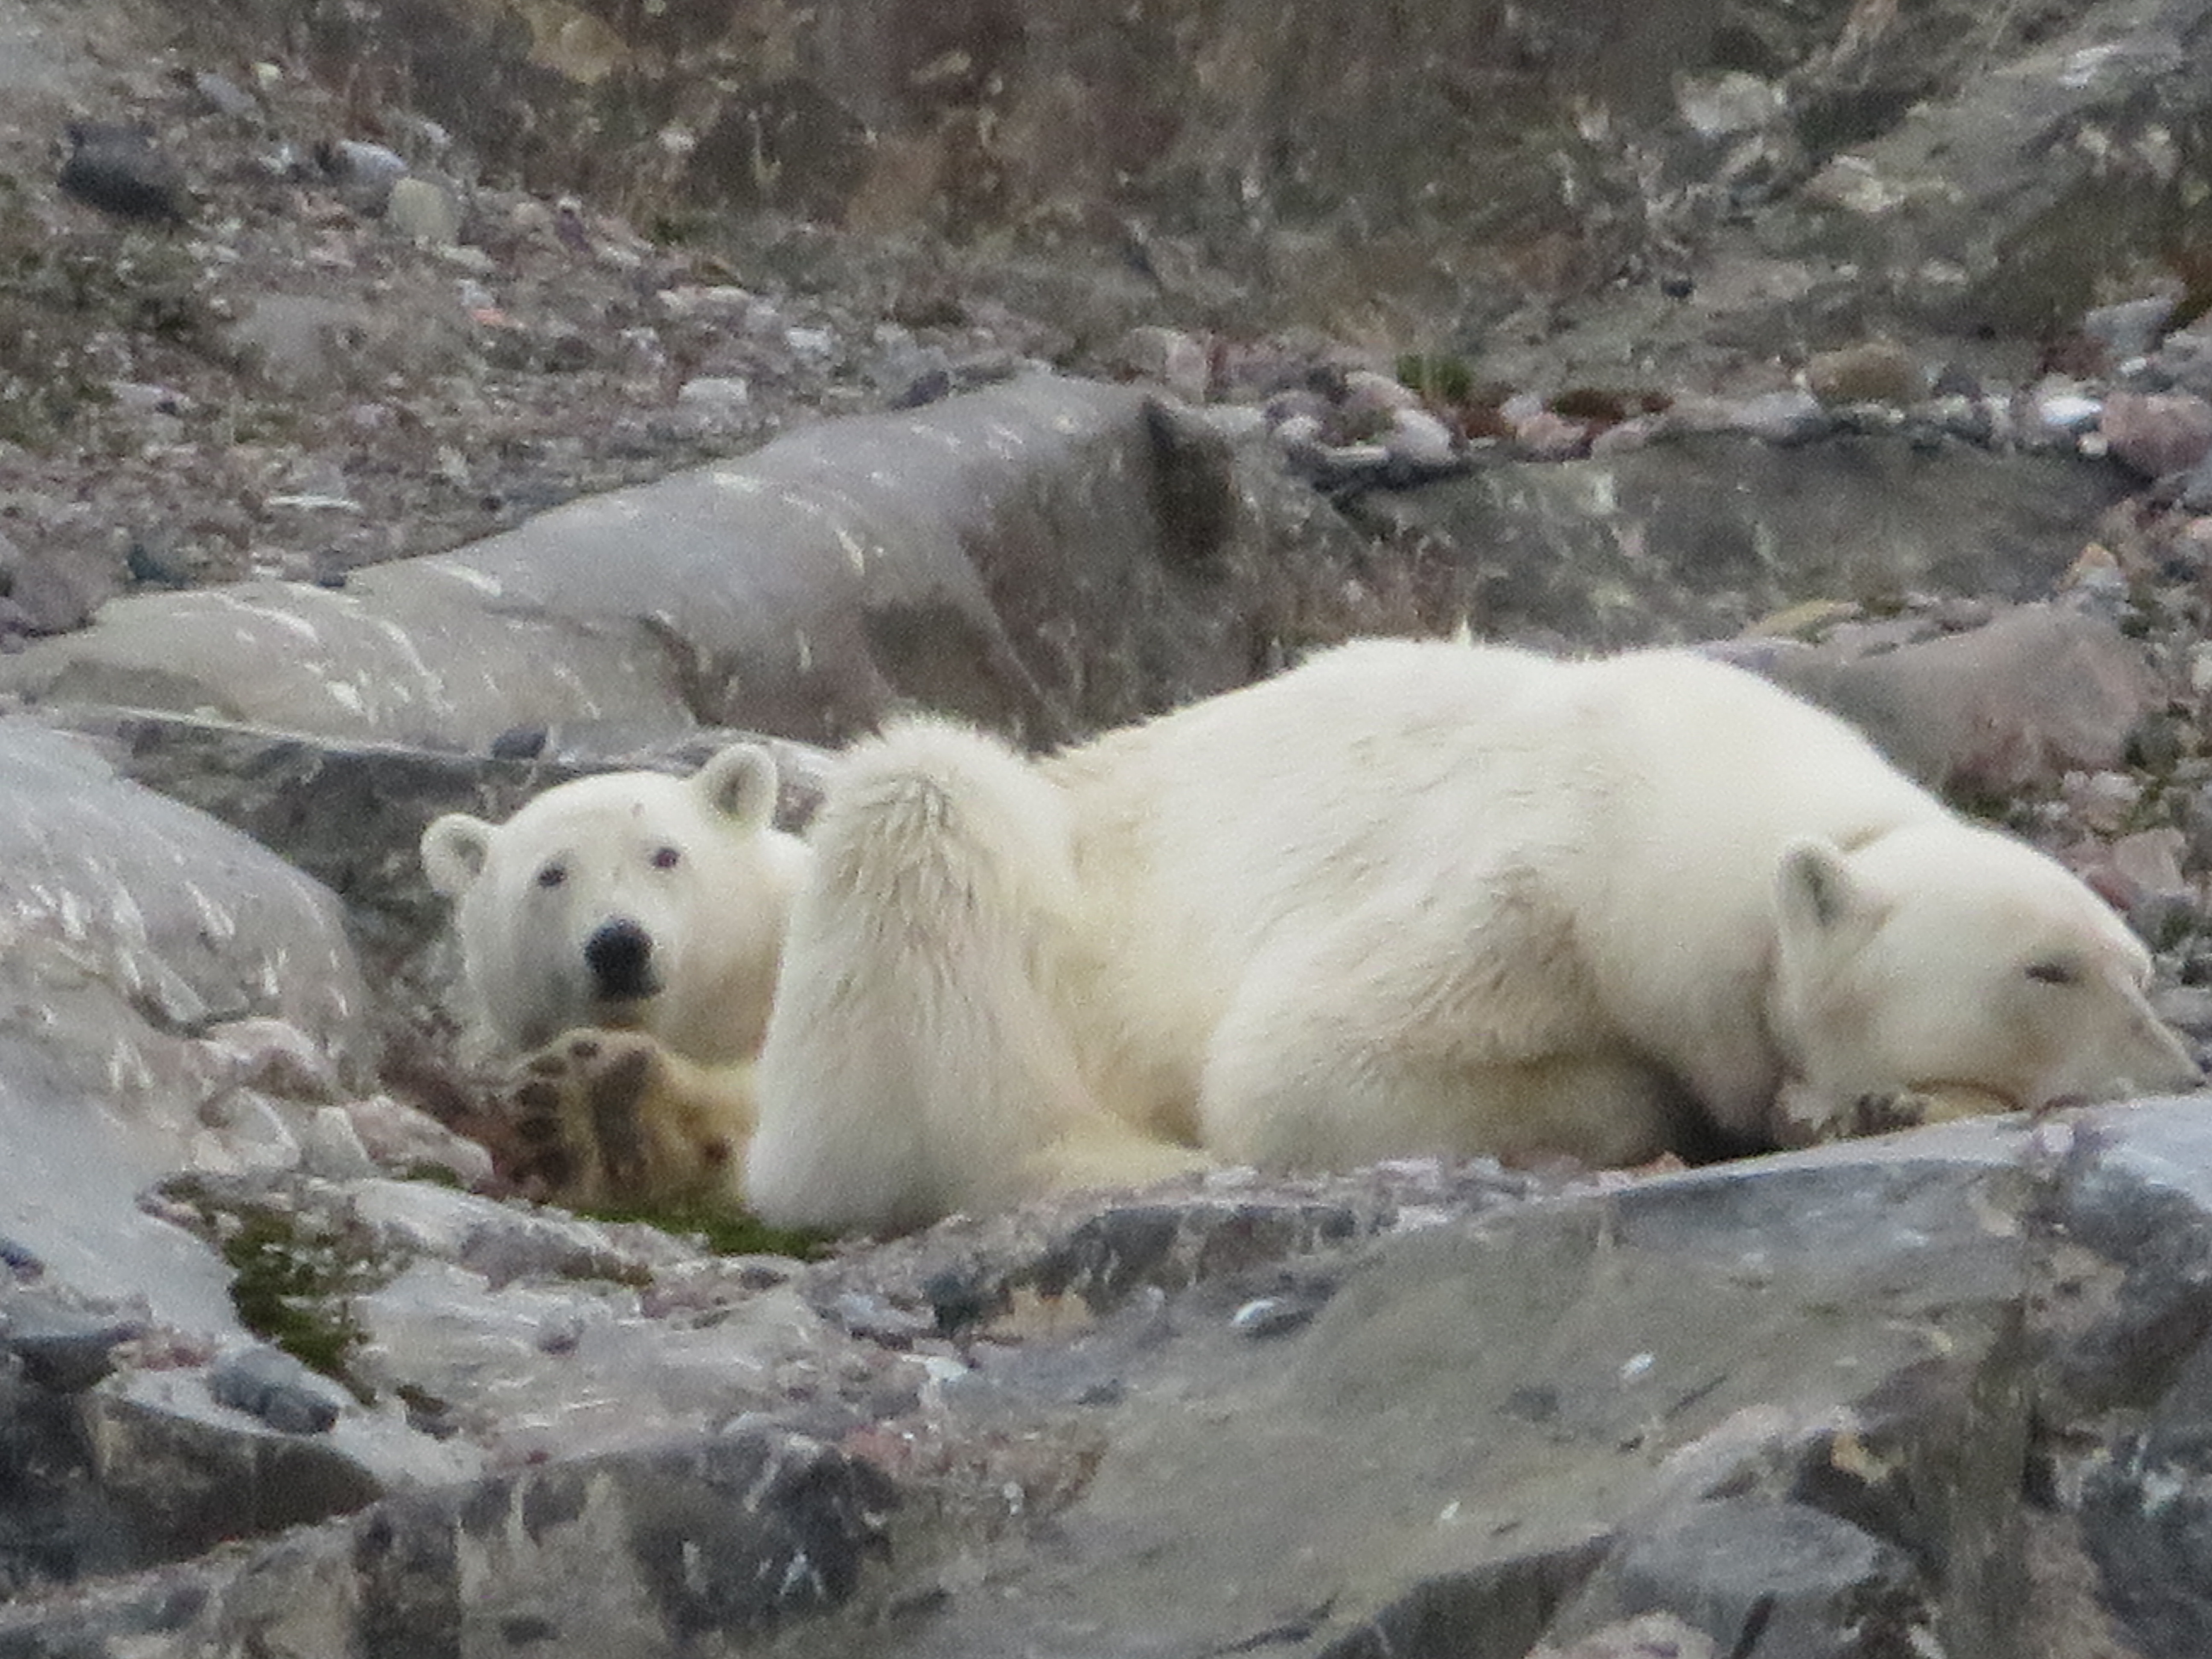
[
  {"x": 1411, "y": 898},
  {"x": 634, "y": 921}
]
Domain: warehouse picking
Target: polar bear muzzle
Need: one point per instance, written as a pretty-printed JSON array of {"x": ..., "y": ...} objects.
[{"x": 619, "y": 953}]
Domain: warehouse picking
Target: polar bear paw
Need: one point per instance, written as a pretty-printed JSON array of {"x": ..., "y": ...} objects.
[
  {"x": 1804, "y": 1117},
  {"x": 606, "y": 1116}
]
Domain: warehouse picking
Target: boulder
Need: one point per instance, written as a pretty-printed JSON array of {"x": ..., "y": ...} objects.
[{"x": 1047, "y": 556}]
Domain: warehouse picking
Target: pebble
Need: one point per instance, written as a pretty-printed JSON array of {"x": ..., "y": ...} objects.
[
  {"x": 1420, "y": 440},
  {"x": 366, "y": 172},
  {"x": 1873, "y": 371},
  {"x": 1368, "y": 393},
  {"x": 121, "y": 170},
  {"x": 720, "y": 393},
  {"x": 2131, "y": 328},
  {"x": 1170, "y": 357},
  {"x": 270, "y": 1384},
  {"x": 225, "y": 96},
  {"x": 1782, "y": 417},
  {"x": 423, "y": 212},
  {"x": 2156, "y": 433},
  {"x": 330, "y": 1147},
  {"x": 2067, "y": 412},
  {"x": 62, "y": 1349}
]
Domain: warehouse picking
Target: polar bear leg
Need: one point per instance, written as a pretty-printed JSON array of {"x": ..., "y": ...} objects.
[
  {"x": 1101, "y": 1152},
  {"x": 1413, "y": 1034},
  {"x": 919, "y": 1059},
  {"x": 610, "y": 1117}
]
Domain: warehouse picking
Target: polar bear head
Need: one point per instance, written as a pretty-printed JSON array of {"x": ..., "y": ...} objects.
[
  {"x": 1942, "y": 959},
  {"x": 629, "y": 899}
]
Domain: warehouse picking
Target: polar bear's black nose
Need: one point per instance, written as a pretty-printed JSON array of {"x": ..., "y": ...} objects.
[{"x": 620, "y": 956}]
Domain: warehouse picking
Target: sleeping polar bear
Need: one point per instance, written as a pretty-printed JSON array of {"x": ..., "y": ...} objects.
[{"x": 1411, "y": 898}]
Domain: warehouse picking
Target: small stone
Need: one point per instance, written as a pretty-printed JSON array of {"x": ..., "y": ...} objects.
[
  {"x": 56, "y": 593},
  {"x": 2195, "y": 493},
  {"x": 1273, "y": 1316},
  {"x": 1544, "y": 436},
  {"x": 2188, "y": 1006},
  {"x": 365, "y": 172},
  {"x": 1782, "y": 417},
  {"x": 331, "y": 1148},
  {"x": 2156, "y": 433},
  {"x": 121, "y": 170},
  {"x": 1418, "y": 440},
  {"x": 2131, "y": 329},
  {"x": 519, "y": 743},
  {"x": 931, "y": 386},
  {"x": 270, "y": 1384},
  {"x": 721, "y": 394},
  {"x": 1169, "y": 357},
  {"x": 1961, "y": 417},
  {"x": 2103, "y": 802},
  {"x": 225, "y": 96},
  {"x": 1955, "y": 380},
  {"x": 423, "y": 212},
  {"x": 1874, "y": 371},
  {"x": 62, "y": 1349},
  {"x": 1297, "y": 402},
  {"x": 2150, "y": 859},
  {"x": 1367, "y": 393},
  {"x": 2068, "y": 411}
]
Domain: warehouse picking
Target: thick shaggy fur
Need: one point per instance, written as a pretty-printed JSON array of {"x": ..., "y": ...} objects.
[{"x": 1410, "y": 898}]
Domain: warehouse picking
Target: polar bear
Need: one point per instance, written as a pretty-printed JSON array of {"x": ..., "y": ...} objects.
[
  {"x": 1412, "y": 898},
  {"x": 627, "y": 927}
]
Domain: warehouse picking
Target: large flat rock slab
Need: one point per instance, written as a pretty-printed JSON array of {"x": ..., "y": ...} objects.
[{"x": 1045, "y": 556}]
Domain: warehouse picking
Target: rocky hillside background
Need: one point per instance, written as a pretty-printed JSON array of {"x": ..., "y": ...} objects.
[{"x": 405, "y": 404}]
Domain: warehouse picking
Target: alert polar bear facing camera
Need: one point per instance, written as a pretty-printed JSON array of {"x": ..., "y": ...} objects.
[
  {"x": 627, "y": 927},
  {"x": 1411, "y": 898}
]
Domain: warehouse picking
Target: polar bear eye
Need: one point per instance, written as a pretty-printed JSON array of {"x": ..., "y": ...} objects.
[
  {"x": 553, "y": 875},
  {"x": 2052, "y": 972},
  {"x": 667, "y": 858}
]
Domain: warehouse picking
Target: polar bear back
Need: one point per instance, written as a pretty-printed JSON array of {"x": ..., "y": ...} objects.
[{"x": 1652, "y": 794}]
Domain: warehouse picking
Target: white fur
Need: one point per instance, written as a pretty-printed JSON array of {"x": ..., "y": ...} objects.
[
  {"x": 1410, "y": 898},
  {"x": 695, "y": 863}
]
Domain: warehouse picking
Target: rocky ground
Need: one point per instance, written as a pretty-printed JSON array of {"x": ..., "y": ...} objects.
[
  {"x": 229, "y": 352},
  {"x": 260, "y": 319}
]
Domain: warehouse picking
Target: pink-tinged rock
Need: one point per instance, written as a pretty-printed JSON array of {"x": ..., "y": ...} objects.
[
  {"x": 2039, "y": 692},
  {"x": 2151, "y": 860},
  {"x": 1544, "y": 436},
  {"x": 2135, "y": 870},
  {"x": 2158, "y": 433},
  {"x": 1177, "y": 361}
]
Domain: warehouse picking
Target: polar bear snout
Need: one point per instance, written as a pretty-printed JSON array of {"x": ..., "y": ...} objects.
[{"x": 619, "y": 954}]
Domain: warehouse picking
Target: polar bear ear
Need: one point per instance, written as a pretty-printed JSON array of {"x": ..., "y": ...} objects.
[
  {"x": 740, "y": 783},
  {"x": 454, "y": 849},
  {"x": 1815, "y": 894}
]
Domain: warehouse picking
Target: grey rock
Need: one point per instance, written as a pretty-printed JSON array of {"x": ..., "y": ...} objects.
[
  {"x": 1045, "y": 556},
  {"x": 1784, "y": 417},
  {"x": 271, "y": 1385},
  {"x": 365, "y": 172},
  {"x": 424, "y": 210},
  {"x": 61, "y": 1348},
  {"x": 2131, "y": 328},
  {"x": 2158, "y": 434},
  {"x": 122, "y": 170},
  {"x": 225, "y": 96},
  {"x": 137, "y": 927},
  {"x": 1763, "y": 1575},
  {"x": 2014, "y": 705},
  {"x": 1698, "y": 536}
]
